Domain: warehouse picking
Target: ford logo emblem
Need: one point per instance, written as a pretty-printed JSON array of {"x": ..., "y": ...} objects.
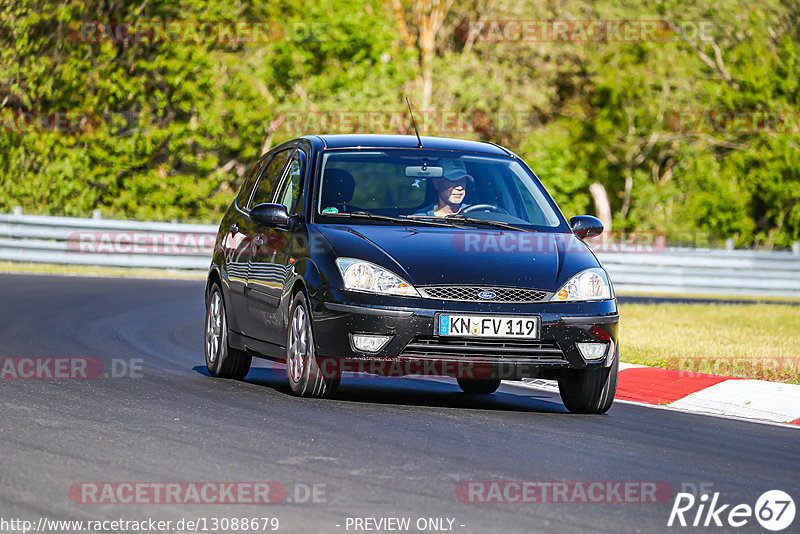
[{"x": 487, "y": 295}]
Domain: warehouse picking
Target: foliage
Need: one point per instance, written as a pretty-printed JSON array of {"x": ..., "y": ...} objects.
[{"x": 172, "y": 126}]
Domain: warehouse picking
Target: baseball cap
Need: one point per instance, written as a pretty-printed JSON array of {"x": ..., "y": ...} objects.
[{"x": 454, "y": 170}]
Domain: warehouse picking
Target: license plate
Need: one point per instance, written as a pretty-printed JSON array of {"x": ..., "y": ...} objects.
[{"x": 516, "y": 327}]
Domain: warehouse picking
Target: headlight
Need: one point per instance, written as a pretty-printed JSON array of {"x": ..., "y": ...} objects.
[
  {"x": 591, "y": 284},
  {"x": 362, "y": 275}
]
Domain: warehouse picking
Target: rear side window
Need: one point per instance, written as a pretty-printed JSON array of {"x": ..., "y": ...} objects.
[
  {"x": 249, "y": 182},
  {"x": 270, "y": 177},
  {"x": 290, "y": 187}
]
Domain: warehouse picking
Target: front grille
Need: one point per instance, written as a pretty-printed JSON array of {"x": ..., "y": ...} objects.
[
  {"x": 470, "y": 294},
  {"x": 489, "y": 350}
]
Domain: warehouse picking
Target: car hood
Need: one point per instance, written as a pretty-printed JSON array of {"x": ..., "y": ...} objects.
[{"x": 465, "y": 256}]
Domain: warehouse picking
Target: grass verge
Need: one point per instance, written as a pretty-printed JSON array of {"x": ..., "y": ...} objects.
[{"x": 748, "y": 340}]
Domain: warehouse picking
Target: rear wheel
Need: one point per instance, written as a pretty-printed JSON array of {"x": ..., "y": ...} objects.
[
  {"x": 478, "y": 387},
  {"x": 589, "y": 391},
  {"x": 306, "y": 378},
  {"x": 222, "y": 360}
]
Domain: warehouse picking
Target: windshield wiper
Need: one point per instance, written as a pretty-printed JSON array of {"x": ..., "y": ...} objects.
[
  {"x": 489, "y": 222},
  {"x": 388, "y": 218},
  {"x": 457, "y": 217}
]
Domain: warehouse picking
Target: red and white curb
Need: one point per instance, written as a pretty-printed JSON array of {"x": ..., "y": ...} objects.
[{"x": 725, "y": 396}]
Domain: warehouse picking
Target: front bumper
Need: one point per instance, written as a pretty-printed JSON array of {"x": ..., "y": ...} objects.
[{"x": 415, "y": 347}]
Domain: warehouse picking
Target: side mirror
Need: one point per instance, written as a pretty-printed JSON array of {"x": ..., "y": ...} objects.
[
  {"x": 586, "y": 226},
  {"x": 271, "y": 215}
]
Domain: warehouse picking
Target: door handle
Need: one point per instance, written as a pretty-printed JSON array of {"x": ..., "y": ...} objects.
[
  {"x": 258, "y": 241},
  {"x": 234, "y": 228}
]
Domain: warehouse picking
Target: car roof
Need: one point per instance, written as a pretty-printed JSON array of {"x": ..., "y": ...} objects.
[{"x": 409, "y": 141}]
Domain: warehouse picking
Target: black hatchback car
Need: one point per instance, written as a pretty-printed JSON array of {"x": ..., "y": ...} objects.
[{"x": 394, "y": 255}]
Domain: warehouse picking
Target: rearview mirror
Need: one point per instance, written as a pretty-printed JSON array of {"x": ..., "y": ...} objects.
[
  {"x": 423, "y": 171},
  {"x": 586, "y": 226},
  {"x": 271, "y": 215}
]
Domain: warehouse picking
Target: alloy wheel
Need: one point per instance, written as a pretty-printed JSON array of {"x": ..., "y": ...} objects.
[
  {"x": 298, "y": 344},
  {"x": 214, "y": 328}
]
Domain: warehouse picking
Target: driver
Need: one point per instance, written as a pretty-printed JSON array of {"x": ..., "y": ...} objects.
[{"x": 450, "y": 188}]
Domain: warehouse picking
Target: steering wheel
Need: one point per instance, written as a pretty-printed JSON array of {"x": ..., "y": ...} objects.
[{"x": 484, "y": 207}]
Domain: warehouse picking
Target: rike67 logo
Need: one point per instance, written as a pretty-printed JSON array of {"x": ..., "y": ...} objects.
[{"x": 774, "y": 510}]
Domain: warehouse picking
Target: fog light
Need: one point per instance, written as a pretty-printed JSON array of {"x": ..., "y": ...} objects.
[
  {"x": 592, "y": 351},
  {"x": 369, "y": 342}
]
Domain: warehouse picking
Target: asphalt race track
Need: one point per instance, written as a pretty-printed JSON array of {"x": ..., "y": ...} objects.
[{"x": 381, "y": 448}]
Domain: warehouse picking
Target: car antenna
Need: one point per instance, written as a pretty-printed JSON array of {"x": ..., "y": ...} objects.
[{"x": 415, "y": 124}]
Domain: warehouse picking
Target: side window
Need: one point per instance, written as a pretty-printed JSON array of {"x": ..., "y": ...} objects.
[
  {"x": 269, "y": 178},
  {"x": 249, "y": 182},
  {"x": 289, "y": 190}
]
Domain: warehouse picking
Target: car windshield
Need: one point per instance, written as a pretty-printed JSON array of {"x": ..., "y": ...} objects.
[{"x": 438, "y": 185}]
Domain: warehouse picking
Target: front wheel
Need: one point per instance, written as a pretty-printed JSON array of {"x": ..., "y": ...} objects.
[
  {"x": 306, "y": 378},
  {"x": 589, "y": 391},
  {"x": 478, "y": 387},
  {"x": 222, "y": 360}
]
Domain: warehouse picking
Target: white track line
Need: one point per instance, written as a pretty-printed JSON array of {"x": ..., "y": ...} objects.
[{"x": 550, "y": 386}]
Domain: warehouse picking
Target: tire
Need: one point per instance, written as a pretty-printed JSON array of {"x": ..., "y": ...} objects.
[
  {"x": 478, "y": 387},
  {"x": 222, "y": 360},
  {"x": 589, "y": 391},
  {"x": 302, "y": 366}
]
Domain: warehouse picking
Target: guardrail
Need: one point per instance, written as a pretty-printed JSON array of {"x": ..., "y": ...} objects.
[
  {"x": 711, "y": 271},
  {"x": 102, "y": 242}
]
